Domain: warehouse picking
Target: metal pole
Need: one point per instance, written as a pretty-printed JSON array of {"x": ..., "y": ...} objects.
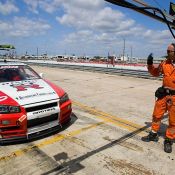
[
  {"x": 37, "y": 53},
  {"x": 146, "y": 5},
  {"x": 141, "y": 2},
  {"x": 131, "y": 55},
  {"x": 108, "y": 59},
  {"x": 123, "y": 48},
  {"x": 145, "y": 12}
]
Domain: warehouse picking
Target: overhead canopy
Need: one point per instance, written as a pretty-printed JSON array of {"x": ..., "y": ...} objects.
[
  {"x": 172, "y": 9},
  {"x": 6, "y": 47},
  {"x": 150, "y": 11}
]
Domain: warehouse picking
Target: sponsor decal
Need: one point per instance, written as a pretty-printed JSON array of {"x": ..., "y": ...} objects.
[
  {"x": 7, "y": 67},
  {"x": 2, "y": 98},
  {"x": 35, "y": 95},
  {"x": 43, "y": 111},
  {"x": 25, "y": 86},
  {"x": 22, "y": 118}
]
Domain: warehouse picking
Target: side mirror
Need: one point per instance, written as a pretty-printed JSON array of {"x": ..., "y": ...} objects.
[{"x": 41, "y": 75}]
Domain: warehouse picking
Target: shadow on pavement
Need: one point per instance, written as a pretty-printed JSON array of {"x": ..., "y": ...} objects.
[{"x": 74, "y": 165}]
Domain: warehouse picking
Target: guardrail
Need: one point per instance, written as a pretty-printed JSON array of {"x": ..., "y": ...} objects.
[{"x": 107, "y": 70}]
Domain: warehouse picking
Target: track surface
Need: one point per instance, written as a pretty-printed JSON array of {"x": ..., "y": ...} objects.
[{"x": 110, "y": 115}]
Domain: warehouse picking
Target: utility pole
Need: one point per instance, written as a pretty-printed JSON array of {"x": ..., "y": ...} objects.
[
  {"x": 123, "y": 49},
  {"x": 108, "y": 59},
  {"x": 37, "y": 53},
  {"x": 131, "y": 55}
]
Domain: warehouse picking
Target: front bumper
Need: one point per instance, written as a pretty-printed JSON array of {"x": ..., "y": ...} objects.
[
  {"x": 31, "y": 136},
  {"x": 39, "y": 127}
]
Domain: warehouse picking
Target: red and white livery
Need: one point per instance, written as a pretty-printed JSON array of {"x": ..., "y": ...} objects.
[{"x": 30, "y": 106}]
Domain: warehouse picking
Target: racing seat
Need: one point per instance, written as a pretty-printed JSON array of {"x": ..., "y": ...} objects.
[{"x": 15, "y": 76}]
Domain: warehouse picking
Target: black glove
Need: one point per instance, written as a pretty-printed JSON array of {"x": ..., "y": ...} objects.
[
  {"x": 150, "y": 59},
  {"x": 160, "y": 93}
]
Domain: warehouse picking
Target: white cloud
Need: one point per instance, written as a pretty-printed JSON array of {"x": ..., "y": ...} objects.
[
  {"x": 51, "y": 6},
  {"x": 91, "y": 24},
  {"x": 48, "y": 6},
  {"x": 32, "y": 5},
  {"x": 101, "y": 19},
  {"x": 81, "y": 4},
  {"x": 80, "y": 36},
  {"x": 157, "y": 36},
  {"x": 7, "y": 8},
  {"x": 93, "y": 15},
  {"x": 107, "y": 27},
  {"x": 23, "y": 27}
]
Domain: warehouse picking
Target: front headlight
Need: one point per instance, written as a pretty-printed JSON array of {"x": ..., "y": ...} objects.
[
  {"x": 9, "y": 109},
  {"x": 64, "y": 98}
]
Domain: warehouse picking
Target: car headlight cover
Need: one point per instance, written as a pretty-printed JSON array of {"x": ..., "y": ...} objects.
[
  {"x": 64, "y": 98},
  {"x": 4, "y": 109}
]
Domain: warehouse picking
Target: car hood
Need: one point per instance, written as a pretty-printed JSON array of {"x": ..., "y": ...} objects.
[{"x": 29, "y": 91}]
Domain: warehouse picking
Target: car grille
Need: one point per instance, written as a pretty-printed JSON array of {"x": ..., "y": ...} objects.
[
  {"x": 43, "y": 120},
  {"x": 45, "y": 106},
  {"x": 43, "y": 115}
]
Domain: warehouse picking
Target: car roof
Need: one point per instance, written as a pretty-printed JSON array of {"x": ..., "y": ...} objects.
[{"x": 9, "y": 63}]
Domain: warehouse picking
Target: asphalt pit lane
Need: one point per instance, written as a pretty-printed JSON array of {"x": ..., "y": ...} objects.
[
  {"x": 125, "y": 144},
  {"x": 124, "y": 167}
]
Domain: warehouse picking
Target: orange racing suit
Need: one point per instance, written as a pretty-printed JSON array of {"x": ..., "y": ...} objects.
[{"x": 167, "y": 103}]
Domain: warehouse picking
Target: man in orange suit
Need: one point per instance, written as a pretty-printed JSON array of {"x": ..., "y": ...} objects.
[{"x": 165, "y": 98}]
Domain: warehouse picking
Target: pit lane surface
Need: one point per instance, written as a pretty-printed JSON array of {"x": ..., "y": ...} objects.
[{"x": 111, "y": 114}]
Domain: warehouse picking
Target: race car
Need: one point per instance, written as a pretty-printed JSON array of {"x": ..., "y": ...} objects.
[{"x": 30, "y": 106}]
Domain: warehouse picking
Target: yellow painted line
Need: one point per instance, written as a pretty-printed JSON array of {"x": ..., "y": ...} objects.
[
  {"x": 49, "y": 141},
  {"x": 115, "y": 120},
  {"x": 107, "y": 118},
  {"x": 116, "y": 123}
]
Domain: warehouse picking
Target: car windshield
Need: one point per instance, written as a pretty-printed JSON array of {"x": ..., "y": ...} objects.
[{"x": 17, "y": 73}]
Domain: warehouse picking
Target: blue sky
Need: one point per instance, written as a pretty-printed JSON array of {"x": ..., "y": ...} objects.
[{"x": 81, "y": 27}]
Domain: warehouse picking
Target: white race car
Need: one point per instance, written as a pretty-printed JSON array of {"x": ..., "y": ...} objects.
[{"x": 30, "y": 106}]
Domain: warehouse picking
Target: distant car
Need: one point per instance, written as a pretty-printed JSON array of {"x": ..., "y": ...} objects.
[{"x": 30, "y": 106}]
